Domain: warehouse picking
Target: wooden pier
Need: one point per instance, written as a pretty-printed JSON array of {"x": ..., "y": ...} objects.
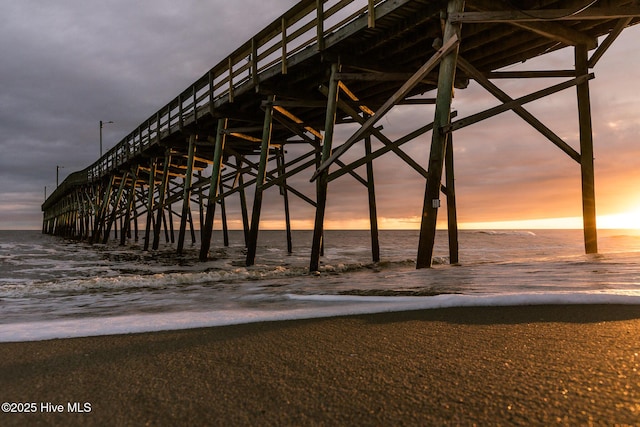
[{"x": 268, "y": 112}]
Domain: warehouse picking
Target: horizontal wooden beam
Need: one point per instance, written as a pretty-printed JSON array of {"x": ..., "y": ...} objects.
[
  {"x": 530, "y": 74},
  {"x": 592, "y": 13},
  {"x": 418, "y": 101}
]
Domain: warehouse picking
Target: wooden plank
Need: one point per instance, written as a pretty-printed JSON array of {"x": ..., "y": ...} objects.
[
  {"x": 354, "y": 98},
  {"x": 395, "y": 98}
]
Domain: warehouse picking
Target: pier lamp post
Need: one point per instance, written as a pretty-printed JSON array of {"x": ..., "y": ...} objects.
[
  {"x": 58, "y": 174},
  {"x": 101, "y": 125}
]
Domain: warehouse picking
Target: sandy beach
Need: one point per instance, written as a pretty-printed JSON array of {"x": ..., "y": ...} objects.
[{"x": 534, "y": 365}]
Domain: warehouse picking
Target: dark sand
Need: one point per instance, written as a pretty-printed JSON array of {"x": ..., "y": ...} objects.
[{"x": 541, "y": 365}]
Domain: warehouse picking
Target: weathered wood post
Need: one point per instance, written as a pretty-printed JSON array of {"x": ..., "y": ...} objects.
[
  {"x": 99, "y": 220},
  {"x": 207, "y": 227},
  {"x": 260, "y": 178},
  {"x": 323, "y": 178},
  {"x": 150, "y": 199},
  {"x": 285, "y": 196},
  {"x": 373, "y": 211},
  {"x": 452, "y": 215},
  {"x": 243, "y": 202},
  {"x": 586, "y": 153},
  {"x": 126, "y": 229},
  {"x": 116, "y": 204},
  {"x": 186, "y": 195},
  {"x": 223, "y": 217},
  {"x": 442, "y": 118},
  {"x": 162, "y": 190}
]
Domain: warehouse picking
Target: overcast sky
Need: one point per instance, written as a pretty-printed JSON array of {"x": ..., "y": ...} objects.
[{"x": 68, "y": 64}]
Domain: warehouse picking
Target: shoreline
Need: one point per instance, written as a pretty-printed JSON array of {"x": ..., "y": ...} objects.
[{"x": 541, "y": 364}]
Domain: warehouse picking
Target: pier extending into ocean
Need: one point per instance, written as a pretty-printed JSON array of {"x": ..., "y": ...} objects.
[{"x": 321, "y": 65}]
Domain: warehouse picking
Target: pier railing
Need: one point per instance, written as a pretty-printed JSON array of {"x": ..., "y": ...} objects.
[{"x": 309, "y": 27}]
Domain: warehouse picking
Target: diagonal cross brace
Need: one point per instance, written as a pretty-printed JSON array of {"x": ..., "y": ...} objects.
[
  {"x": 400, "y": 94},
  {"x": 518, "y": 109},
  {"x": 344, "y": 106}
]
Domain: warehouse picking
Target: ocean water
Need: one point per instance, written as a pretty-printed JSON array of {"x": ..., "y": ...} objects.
[{"x": 54, "y": 288}]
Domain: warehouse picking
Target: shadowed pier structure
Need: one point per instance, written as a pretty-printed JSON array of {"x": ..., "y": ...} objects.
[{"x": 268, "y": 113}]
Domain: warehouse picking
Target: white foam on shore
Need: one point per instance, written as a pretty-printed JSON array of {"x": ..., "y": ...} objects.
[{"x": 342, "y": 305}]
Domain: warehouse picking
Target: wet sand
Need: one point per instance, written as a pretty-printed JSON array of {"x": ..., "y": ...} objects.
[{"x": 537, "y": 365}]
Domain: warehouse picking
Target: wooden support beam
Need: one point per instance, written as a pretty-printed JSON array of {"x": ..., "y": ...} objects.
[
  {"x": 607, "y": 42},
  {"x": 207, "y": 227},
  {"x": 537, "y": 15},
  {"x": 530, "y": 74},
  {"x": 284, "y": 45},
  {"x": 323, "y": 181},
  {"x": 344, "y": 106},
  {"x": 355, "y": 99},
  {"x": 231, "y": 88},
  {"x": 439, "y": 141},
  {"x": 320, "y": 24},
  {"x": 371, "y": 22},
  {"x": 285, "y": 195},
  {"x": 452, "y": 215},
  {"x": 418, "y": 101},
  {"x": 186, "y": 197},
  {"x": 126, "y": 231},
  {"x": 114, "y": 211},
  {"x": 373, "y": 210},
  {"x": 100, "y": 216},
  {"x": 162, "y": 190},
  {"x": 519, "y": 110},
  {"x": 586, "y": 150},
  {"x": 223, "y": 215},
  {"x": 260, "y": 179},
  {"x": 243, "y": 202},
  {"x": 400, "y": 94}
]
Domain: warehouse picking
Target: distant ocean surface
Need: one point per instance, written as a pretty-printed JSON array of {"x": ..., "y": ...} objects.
[{"x": 54, "y": 288}]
